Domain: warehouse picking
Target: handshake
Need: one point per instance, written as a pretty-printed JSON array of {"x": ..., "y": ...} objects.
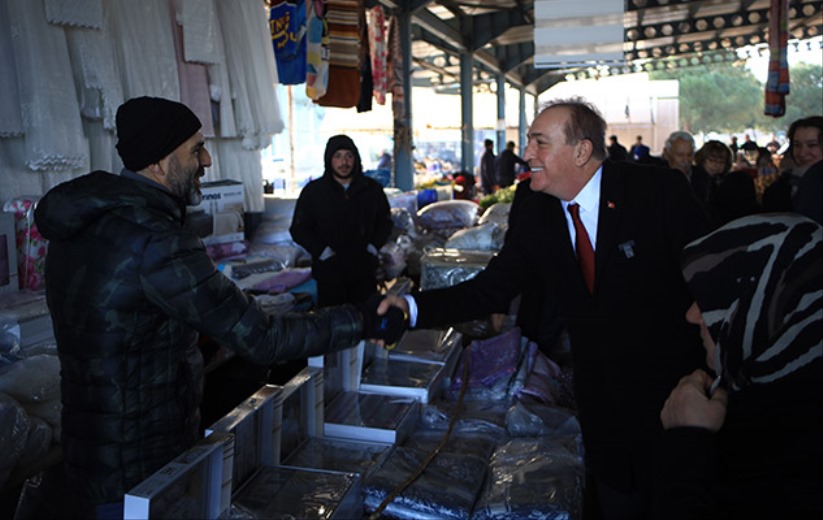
[{"x": 384, "y": 329}]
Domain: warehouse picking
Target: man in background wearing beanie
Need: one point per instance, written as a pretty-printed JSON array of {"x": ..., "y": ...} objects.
[
  {"x": 342, "y": 219},
  {"x": 129, "y": 289}
]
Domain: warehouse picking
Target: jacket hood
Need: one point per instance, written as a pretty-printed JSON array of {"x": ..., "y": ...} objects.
[
  {"x": 341, "y": 142},
  {"x": 71, "y": 207}
]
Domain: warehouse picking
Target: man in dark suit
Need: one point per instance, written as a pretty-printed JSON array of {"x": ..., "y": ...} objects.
[{"x": 630, "y": 341}]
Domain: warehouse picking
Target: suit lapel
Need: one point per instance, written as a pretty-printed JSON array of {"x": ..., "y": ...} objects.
[{"x": 612, "y": 191}]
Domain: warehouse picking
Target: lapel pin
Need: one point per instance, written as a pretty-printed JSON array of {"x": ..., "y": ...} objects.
[{"x": 610, "y": 205}]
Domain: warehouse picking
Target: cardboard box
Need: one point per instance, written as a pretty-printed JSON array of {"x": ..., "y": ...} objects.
[
  {"x": 371, "y": 417},
  {"x": 195, "y": 484},
  {"x": 223, "y": 200}
]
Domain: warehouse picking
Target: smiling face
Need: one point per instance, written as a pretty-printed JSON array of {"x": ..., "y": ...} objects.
[
  {"x": 695, "y": 317},
  {"x": 806, "y": 147},
  {"x": 184, "y": 168},
  {"x": 552, "y": 161},
  {"x": 680, "y": 156}
]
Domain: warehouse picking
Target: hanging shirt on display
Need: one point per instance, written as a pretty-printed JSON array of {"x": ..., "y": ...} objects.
[
  {"x": 287, "y": 24},
  {"x": 317, "y": 50}
]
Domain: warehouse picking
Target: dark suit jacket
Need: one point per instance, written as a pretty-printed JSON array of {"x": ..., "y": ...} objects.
[{"x": 630, "y": 341}]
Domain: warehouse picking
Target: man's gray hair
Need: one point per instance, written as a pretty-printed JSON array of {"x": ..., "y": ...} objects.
[{"x": 679, "y": 136}]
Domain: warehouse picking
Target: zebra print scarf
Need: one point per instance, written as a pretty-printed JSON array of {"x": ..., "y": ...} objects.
[{"x": 758, "y": 282}]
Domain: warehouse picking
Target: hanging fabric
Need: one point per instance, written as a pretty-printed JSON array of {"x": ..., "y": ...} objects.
[
  {"x": 11, "y": 123},
  {"x": 144, "y": 48},
  {"x": 200, "y": 41},
  {"x": 76, "y": 13},
  {"x": 48, "y": 97},
  {"x": 317, "y": 50},
  {"x": 377, "y": 50},
  {"x": 343, "y": 17},
  {"x": 287, "y": 25},
  {"x": 777, "y": 83},
  {"x": 366, "y": 80},
  {"x": 252, "y": 71},
  {"x": 92, "y": 54},
  {"x": 194, "y": 82}
]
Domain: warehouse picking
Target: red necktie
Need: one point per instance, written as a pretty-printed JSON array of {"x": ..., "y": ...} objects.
[{"x": 583, "y": 246}]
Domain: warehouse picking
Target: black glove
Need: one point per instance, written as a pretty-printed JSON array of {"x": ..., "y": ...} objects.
[{"x": 388, "y": 327}]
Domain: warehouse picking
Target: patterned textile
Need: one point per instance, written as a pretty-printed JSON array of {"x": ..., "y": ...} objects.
[
  {"x": 200, "y": 37},
  {"x": 31, "y": 246},
  {"x": 758, "y": 282},
  {"x": 317, "y": 50},
  {"x": 343, "y": 17},
  {"x": 287, "y": 25},
  {"x": 777, "y": 84},
  {"x": 378, "y": 51}
]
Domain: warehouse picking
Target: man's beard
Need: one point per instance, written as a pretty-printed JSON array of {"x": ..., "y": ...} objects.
[{"x": 184, "y": 183}]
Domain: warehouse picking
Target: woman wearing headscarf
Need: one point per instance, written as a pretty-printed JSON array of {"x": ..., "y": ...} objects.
[{"x": 747, "y": 441}]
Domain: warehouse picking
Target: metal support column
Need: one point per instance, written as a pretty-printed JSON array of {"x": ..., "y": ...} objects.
[
  {"x": 523, "y": 128},
  {"x": 467, "y": 114},
  {"x": 501, "y": 113},
  {"x": 402, "y": 108}
]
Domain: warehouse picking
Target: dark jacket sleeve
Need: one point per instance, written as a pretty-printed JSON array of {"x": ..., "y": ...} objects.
[
  {"x": 179, "y": 277},
  {"x": 304, "y": 223},
  {"x": 383, "y": 223}
]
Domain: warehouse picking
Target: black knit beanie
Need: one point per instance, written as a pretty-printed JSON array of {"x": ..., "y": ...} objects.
[{"x": 150, "y": 128}]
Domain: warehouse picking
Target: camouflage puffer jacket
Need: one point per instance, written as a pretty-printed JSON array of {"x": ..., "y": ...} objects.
[{"x": 129, "y": 289}]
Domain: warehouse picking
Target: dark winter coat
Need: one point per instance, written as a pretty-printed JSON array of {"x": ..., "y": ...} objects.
[
  {"x": 344, "y": 220},
  {"x": 129, "y": 289}
]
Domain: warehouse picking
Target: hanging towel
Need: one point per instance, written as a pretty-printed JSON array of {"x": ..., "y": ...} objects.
[
  {"x": 377, "y": 48},
  {"x": 200, "y": 41},
  {"x": 77, "y": 13},
  {"x": 287, "y": 24},
  {"x": 194, "y": 81},
  {"x": 317, "y": 50},
  {"x": 343, "y": 17},
  {"x": 777, "y": 84}
]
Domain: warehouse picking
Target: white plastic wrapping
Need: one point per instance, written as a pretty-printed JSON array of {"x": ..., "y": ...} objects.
[{"x": 485, "y": 237}]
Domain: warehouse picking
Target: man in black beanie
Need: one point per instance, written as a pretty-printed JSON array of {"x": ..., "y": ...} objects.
[
  {"x": 130, "y": 289},
  {"x": 342, "y": 219}
]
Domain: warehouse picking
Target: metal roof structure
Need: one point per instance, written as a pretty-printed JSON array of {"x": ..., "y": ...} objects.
[{"x": 499, "y": 36}]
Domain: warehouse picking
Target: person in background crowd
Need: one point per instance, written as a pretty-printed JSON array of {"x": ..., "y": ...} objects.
[
  {"x": 505, "y": 165},
  {"x": 130, "y": 289},
  {"x": 734, "y": 146},
  {"x": 342, "y": 219},
  {"x": 487, "y": 180},
  {"x": 639, "y": 150},
  {"x": 805, "y": 149},
  {"x": 748, "y": 145},
  {"x": 617, "y": 152},
  {"x": 730, "y": 194},
  {"x": 384, "y": 163},
  {"x": 678, "y": 152},
  {"x": 629, "y": 224},
  {"x": 744, "y": 441},
  {"x": 773, "y": 145}
]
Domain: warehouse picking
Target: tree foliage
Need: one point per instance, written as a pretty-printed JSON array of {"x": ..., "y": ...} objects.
[{"x": 727, "y": 97}]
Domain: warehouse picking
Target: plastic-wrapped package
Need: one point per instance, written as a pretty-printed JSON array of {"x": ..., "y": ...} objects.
[
  {"x": 498, "y": 212},
  {"x": 340, "y": 455},
  {"x": 403, "y": 221},
  {"x": 493, "y": 365},
  {"x": 31, "y": 246},
  {"x": 534, "y": 478},
  {"x": 476, "y": 443},
  {"x": 543, "y": 380},
  {"x": 488, "y": 417},
  {"x": 33, "y": 379},
  {"x": 38, "y": 442},
  {"x": 448, "y": 267},
  {"x": 14, "y": 429},
  {"x": 9, "y": 341},
  {"x": 485, "y": 237},
  {"x": 48, "y": 411},
  {"x": 286, "y": 252},
  {"x": 447, "y": 488},
  {"x": 276, "y": 304},
  {"x": 448, "y": 214},
  {"x": 392, "y": 259},
  {"x": 406, "y": 200},
  {"x": 529, "y": 419}
]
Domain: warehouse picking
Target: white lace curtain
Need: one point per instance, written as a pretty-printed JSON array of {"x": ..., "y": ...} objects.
[{"x": 76, "y": 61}]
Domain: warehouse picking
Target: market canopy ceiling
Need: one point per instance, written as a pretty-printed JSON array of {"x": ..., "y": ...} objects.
[{"x": 501, "y": 34}]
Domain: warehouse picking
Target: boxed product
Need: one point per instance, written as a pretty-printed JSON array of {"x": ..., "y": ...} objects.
[
  {"x": 300, "y": 417},
  {"x": 195, "y": 484},
  {"x": 371, "y": 417},
  {"x": 416, "y": 379},
  {"x": 223, "y": 200}
]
